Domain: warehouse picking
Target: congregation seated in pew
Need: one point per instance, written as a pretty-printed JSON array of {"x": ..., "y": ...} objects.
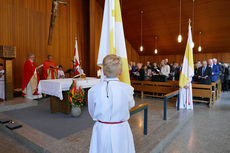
[
  {"x": 152, "y": 71},
  {"x": 206, "y": 83}
]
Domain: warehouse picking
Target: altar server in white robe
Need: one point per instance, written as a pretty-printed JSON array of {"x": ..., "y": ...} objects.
[
  {"x": 109, "y": 103},
  {"x": 2, "y": 82}
]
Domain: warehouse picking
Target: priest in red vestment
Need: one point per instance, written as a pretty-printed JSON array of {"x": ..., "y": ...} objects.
[
  {"x": 49, "y": 70},
  {"x": 30, "y": 79}
]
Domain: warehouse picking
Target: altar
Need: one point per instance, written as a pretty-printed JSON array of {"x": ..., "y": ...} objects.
[{"x": 58, "y": 89}]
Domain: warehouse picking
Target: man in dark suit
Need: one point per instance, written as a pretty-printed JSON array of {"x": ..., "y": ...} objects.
[{"x": 204, "y": 74}]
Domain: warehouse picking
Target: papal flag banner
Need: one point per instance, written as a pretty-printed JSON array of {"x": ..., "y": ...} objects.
[
  {"x": 186, "y": 101},
  {"x": 76, "y": 61},
  {"x": 112, "y": 37}
]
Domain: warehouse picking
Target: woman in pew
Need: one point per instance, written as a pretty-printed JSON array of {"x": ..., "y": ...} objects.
[
  {"x": 165, "y": 69},
  {"x": 148, "y": 73},
  {"x": 155, "y": 70},
  {"x": 196, "y": 67},
  {"x": 174, "y": 74},
  {"x": 109, "y": 103},
  {"x": 140, "y": 73}
]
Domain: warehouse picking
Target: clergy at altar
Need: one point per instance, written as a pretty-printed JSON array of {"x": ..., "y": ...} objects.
[
  {"x": 30, "y": 78},
  {"x": 49, "y": 69},
  {"x": 109, "y": 102},
  {"x": 2, "y": 82}
]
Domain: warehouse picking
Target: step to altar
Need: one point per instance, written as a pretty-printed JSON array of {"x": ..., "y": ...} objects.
[{"x": 17, "y": 103}]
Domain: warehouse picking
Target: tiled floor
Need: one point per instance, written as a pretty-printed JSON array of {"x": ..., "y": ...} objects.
[
  {"x": 9, "y": 145},
  {"x": 17, "y": 103},
  {"x": 79, "y": 142},
  {"x": 207, "y": 132}
]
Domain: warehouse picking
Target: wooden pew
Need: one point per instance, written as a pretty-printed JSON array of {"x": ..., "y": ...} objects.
[
  {"x": 154, "y": 87},
  {"x": 219, "y": 87},
  {"x": 215, "y": 91},
  {"x": 199, "y": 90},
  {"x": 203, "y": 91}
]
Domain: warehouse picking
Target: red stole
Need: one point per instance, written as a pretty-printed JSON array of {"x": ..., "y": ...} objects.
[
  {"x": 29, "y": 75},
  {"x": 48, "y": 72}
]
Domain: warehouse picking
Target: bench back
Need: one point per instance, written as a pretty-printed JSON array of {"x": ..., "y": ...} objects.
[
  {"x": 198, "y": 90},
  {"x": 201, "y": 90},
  {"x": 155, "y": 87}
]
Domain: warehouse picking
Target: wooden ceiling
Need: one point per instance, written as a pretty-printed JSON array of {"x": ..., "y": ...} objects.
[{"x": 161, "y": 18}]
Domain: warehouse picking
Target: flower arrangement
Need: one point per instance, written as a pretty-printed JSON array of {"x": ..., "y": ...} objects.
[{"x": 76, "y": 95}]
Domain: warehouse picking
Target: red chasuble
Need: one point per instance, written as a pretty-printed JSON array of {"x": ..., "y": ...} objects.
[
  {"x": 49, "y": 70},
  {"x": 30, "y": 74}
]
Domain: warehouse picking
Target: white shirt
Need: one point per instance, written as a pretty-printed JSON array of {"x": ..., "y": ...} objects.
[
  {"x": 3, "y": 77},
  {"x": 61, "y": 74},
  {"x": 165, "y": 70},
  {"x": 81, "y": 71},
  {"x": 110, "y": 103}
]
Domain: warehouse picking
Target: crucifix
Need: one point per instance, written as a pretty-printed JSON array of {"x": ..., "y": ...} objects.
[{"x": 54, "y": 11}]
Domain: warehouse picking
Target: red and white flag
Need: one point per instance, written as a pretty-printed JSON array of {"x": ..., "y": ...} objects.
[{"x": 76, "y": 61}]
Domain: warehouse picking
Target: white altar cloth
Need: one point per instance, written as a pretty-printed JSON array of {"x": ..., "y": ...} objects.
[{"x": 56, "y": 86}]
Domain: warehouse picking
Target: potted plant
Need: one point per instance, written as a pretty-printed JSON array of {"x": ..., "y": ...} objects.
[{"x": 76, "y": 98}]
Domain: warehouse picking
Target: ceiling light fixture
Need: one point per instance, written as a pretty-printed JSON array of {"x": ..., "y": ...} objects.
[
  {"x": 155, "y": 51},
  {"x": 141, "y": 47},
  {"x": 193, "y": 22},
  {"x": 193, "y": 16},
  {"x": 199, "y": 48},
  {"x": 179, "y": 39}
]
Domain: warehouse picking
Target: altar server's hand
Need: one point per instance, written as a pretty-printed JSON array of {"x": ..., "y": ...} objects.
[{"x": 39, "y": 66}]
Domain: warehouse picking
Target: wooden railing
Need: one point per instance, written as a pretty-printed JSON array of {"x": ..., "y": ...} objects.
[{"x": 139, "y": 108}]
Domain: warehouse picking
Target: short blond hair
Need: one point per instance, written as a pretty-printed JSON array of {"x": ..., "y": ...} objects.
[{"x": 112, "y": 65}]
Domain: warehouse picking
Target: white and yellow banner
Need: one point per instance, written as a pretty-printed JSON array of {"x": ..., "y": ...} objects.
[
  {"x": 112, "y": 37},
  {"x": 186, "y": 101}
]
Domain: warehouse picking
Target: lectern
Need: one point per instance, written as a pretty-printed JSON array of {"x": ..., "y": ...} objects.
[{"x": 8, "y": 53}]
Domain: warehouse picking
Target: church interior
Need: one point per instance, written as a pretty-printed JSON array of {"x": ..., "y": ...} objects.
[{"x": 174, "y": 55}]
